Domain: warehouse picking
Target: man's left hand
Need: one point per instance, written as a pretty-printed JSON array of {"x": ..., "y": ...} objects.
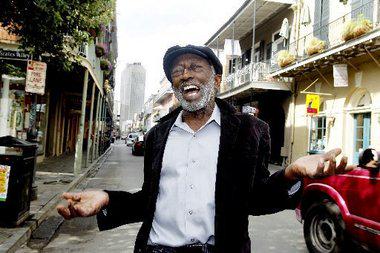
[{"x": 317, "y": 166}]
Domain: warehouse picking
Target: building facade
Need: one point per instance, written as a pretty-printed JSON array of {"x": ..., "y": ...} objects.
[
  {"x": 276, "y": 53},
  {"x": 132, "y": 91}
]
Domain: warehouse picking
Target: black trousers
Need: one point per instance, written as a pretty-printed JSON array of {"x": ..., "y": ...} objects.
[{"x": 198, "y": 248}]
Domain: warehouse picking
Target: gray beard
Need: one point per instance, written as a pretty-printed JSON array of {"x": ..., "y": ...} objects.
[{"x": 207, "y": 90}]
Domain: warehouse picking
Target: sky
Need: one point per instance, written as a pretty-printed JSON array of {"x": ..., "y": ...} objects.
[{"x": 147, "y": 28}]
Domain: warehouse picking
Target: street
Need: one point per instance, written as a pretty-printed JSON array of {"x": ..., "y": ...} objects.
[{"x": 272, "y": 233}]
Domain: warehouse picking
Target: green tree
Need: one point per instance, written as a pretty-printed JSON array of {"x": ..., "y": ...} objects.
[{"x": 51, "y": 28}]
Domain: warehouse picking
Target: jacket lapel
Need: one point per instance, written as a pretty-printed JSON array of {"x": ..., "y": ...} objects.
[{"x": 230, "y": 125}]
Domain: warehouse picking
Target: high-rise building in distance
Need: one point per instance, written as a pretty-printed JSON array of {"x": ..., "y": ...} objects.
[{"x": 132, "y": 93}]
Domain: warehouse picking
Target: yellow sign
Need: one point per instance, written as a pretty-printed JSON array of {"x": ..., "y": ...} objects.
[
  {"x": 4, "y": 180},
  {"x": 312, "y": 104}
]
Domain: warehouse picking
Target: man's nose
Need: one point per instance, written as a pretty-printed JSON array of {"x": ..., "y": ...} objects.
[{"x": 186, "y": 74}]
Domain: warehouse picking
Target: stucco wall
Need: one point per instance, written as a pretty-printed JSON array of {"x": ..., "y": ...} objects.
[{"x": 341, "y": 107}]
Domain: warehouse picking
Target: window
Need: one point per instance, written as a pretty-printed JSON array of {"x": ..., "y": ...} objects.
[{"x": 317, "y": 134}]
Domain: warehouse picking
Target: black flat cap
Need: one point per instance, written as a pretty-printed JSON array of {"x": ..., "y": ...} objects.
[{"x": 204, "y": 52}]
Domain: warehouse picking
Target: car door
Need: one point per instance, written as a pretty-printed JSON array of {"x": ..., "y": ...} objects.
[{"x": 361, "y": 194}]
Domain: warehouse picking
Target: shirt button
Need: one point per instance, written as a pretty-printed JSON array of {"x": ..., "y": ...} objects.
[
  {"x": 191, "y": 212},
  {"x": 191, "y": 186}
]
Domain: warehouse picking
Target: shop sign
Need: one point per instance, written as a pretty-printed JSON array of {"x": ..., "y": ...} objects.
[
  {"x": 4, "y": 181},
  {"x": 35, "y": 77},
  {"x": 312, "y": 104},
  {"x": 340, "y": 74},
  {"x": 9, "y": 54}
]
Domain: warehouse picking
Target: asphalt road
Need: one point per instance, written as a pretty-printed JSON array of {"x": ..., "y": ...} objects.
[{"x": 271, "y": 233}]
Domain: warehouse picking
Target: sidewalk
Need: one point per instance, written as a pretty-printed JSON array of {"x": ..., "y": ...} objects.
[{"x": 53, "y": 177}]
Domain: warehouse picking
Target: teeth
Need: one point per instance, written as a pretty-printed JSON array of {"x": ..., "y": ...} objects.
[{"x": 186, "y": 88}]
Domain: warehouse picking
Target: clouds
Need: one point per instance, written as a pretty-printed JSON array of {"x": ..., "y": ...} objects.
[{"x": 146, "y": 28}]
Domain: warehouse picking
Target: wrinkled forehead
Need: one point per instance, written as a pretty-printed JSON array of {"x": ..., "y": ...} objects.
[{"x": 188, "y": 59}]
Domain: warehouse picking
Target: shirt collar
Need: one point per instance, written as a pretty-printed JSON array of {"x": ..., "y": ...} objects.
[{"x": 215, "y": 116}]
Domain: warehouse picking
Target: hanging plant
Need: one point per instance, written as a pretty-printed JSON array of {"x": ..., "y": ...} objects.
[
  {"x": 100, "y": 50},
  {"x": 285, "y": 58},
  {"x": 315, "y": 46},
  {"x": 356, "y": 28},
  {"x": 105, "y": 65}
]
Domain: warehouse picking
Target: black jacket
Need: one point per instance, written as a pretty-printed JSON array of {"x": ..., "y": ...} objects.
[{"x": 243, "y": 185}]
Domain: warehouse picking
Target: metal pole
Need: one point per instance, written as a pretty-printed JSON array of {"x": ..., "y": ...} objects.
[
  {"x": 96, "y": 127},
  {"x": 233, "y": 55},
  {"x": 99, "y": 127},
  {"x": 217, "y": 46},
  {"x": 253, "y": 31},
  {"x": 103, "y": 124},
  {"x": 89, "y": 140},
  {"x": 79, "y": 143}
]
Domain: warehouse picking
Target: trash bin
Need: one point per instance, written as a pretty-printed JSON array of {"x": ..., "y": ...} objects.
[{"x": 17, "y": 163}]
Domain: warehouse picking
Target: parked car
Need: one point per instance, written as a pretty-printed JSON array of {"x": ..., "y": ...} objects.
[
  {"x": 131, "y": 139},
  {"x": 138, "y": 146},
  {"x": 342, "y": 212}
]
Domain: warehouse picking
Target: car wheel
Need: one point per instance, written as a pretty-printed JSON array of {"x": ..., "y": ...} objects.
[{"x": 324, "y": 228}]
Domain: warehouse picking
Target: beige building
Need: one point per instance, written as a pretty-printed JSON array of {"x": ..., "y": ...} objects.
[
  {"x": 344, "y": 73},
  {"x": 327, "y": 48}
]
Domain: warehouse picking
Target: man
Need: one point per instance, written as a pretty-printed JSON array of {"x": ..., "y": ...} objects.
[{"x": 205, "y": 170}]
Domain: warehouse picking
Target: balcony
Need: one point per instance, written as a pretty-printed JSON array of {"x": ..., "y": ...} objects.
[
  {"x": 336, "y": 49},
  {"x": 92, "y": 62},
  {"x": 254, "y": 76},
  {"x": 257, "y": 71}
]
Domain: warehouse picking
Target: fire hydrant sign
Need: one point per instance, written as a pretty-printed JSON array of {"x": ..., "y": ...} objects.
[
  {"x": 35, "y": 77},
  {"x": 4, "y": 181}
]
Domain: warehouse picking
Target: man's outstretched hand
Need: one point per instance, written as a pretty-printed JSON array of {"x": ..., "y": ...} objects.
[
  {"x": 83, "y": 204},
  {"x": 316, "y": 166}
]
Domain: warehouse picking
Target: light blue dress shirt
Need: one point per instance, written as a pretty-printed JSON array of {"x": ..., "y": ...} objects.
[{"x": 185, "y": 208}]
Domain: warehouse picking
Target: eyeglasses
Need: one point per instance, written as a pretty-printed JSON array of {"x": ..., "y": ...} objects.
[{"x": 193, "y": 68}]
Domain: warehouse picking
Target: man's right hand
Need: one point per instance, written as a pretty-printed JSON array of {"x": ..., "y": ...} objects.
[{"x": 83, "y": 204}]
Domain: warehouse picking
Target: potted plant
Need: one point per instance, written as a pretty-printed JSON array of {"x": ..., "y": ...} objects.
[
  {"x": 100, "y": 50},
  {"x": 105, "y": 65},
  {"x": 356, "y": 28},
  {"x": 315, "y": 46},
  {"x": 285, "y": 58}
]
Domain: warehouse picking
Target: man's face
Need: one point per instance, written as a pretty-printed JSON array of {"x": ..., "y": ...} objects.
[{"x": 194, "y": 82}]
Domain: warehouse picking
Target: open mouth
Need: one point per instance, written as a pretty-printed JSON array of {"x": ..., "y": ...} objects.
[{"x": 190, "y": 92}]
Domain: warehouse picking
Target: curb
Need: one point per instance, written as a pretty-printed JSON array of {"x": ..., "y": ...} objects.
[{"x": 24, "y": 233}]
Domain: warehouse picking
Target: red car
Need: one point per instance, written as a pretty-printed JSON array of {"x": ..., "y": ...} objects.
[{"x": 342, "y": 212}]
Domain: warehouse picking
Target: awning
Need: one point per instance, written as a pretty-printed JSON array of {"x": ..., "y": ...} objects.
[
  {"x": 256, "y": 87},
  {"x": 243, "y": 19}
]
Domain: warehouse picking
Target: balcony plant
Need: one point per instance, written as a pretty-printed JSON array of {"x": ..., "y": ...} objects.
[
  {"x": 105, "y": 65},
  {"x": 356, "y": 28},
  {"x": 315, "y": 46},
  {"x": 285, "y": 58},
  {"x": 100, "y": 50}
]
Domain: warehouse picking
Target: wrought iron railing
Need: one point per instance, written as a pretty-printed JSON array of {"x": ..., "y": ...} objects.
[
  {"x": 257, "y": 71},
  {"x": 331, "y": 33}
]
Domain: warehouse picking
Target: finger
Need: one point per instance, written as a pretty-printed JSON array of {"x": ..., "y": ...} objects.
[
  {"x": 72, "y": 196},
  {"x": 319, "y": 170},
  {"x": 335, "y": 152},
  {"x": 73, "y": 212},
  {"x": 341, "y": 168},
  {"x": 64, "y": 212},
  {"x": 350, "y": 167}
]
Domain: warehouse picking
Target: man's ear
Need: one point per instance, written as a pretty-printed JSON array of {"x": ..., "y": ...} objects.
[{"x": 218, "y": 80}]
